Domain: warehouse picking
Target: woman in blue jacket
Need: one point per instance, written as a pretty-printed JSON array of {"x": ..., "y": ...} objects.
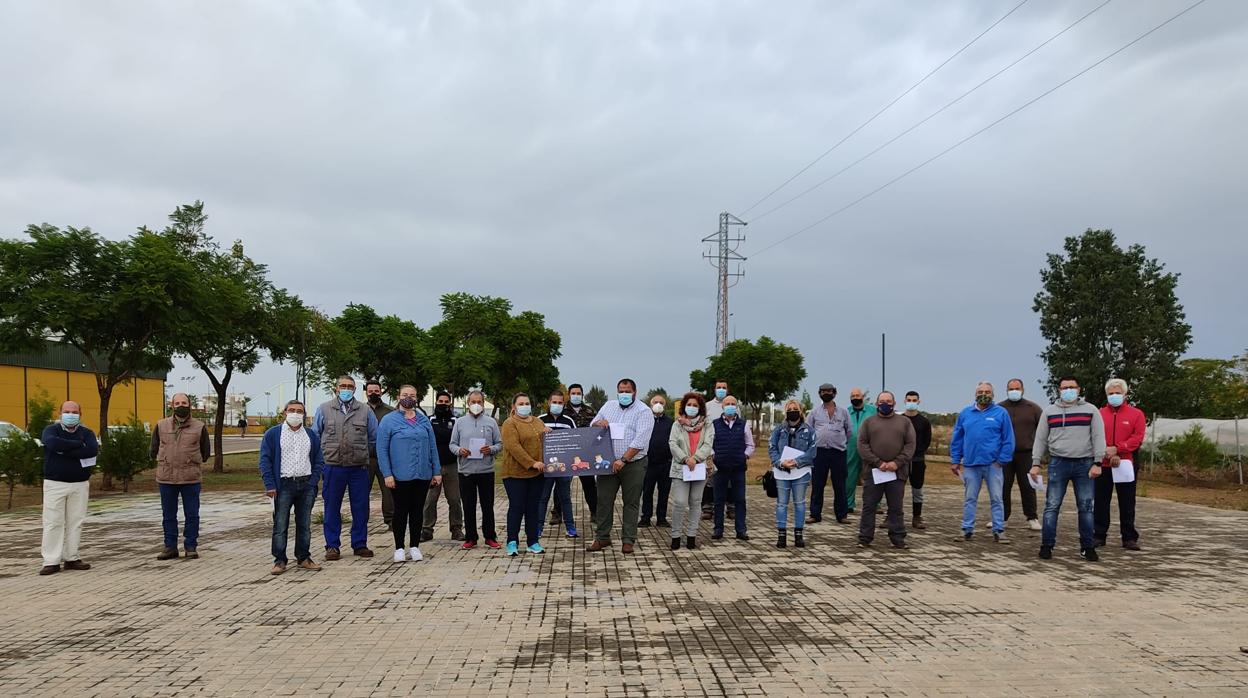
[
  {"x": 796, "y": 433},
  {"x": 407, "y": 455}
]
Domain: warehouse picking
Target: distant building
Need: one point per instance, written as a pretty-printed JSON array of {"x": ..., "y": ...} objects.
[{"x": 235, "y": 406}]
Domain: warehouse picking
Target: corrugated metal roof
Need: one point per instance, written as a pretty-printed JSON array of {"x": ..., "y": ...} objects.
[{"x": 62, "y": 357}]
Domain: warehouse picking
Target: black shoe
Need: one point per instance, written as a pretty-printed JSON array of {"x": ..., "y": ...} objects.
[
  {"x": 49, "y": 569},
  {"x": 783, "y": 539},
  {"x": 732, "y": 512},
  {"x": 743, "y": 536},
  {"x": 676, "y": 543},
  {"x": 864, "y": 543},
  {"x": 1131, "y": 545},
  {"x": 1046, "y": 552},
  {"x": 966, "y": 535},
  {"x": 899, "y": 544},
  {"x": 1098, "y": 542},
  {"x": 843, "y": 521},
  {"x": 1089, "y": 554},
  {"x": 644, "y": 523},
  {"x": 663, "y": 523},
  {"x": 717, "y": 535},
  {"x": 426, "y": 536},
  {"x": 691, "y": 543},
  {"x": 852, "y": 511}
]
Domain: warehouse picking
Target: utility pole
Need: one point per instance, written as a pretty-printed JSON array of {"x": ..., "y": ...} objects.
[
  {"x": 883, "y": 361},
  {"x": 722, "y": 254}
]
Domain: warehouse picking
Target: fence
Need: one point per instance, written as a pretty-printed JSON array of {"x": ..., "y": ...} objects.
[{"x": 1228, "y": 434}]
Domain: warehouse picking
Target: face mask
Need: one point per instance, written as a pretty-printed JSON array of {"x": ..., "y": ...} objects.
[
  {"x": 1014, "y": 395},
  {"x": 476, "y": 408},
  {"x": 70, "y": 420},
  {"x": 912, "y": 407},
  {"x": 884, "y": 408},
  {"x": 576, "y": 400},
  {"x": 792, "y": 415},
  {"x": 294, "y": 419},
  {"x": 826, "y": 397},
  {"x": 374, "y": 399},
  {"x": 721, "y": 393},
  {"x": 658, "y": 408},
  {"x": 1116, "y": 400},
  {"x": 856, "y": 402},
  {"x": 625, "y": 399},
  {"x": 182, "y": 412},
  {"x": 524, "y": 410},
  {"x": 407, "y": 403},
  {"x": 442, "y": 410},
  {"x": 691, "y": 410},
  {"x": 556, "y": 408},
  {"x": 730, "y": 410},
  {"x": 983, "y": 400},
  {"x": 346, "y": 395},
  {"x": 1070, "y": 394}
]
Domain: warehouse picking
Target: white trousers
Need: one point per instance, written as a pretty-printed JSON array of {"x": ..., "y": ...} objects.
[{"x": 64, "y": 508}]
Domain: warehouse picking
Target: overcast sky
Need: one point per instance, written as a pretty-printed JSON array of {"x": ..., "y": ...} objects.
[{"x": 570, "y": 157}]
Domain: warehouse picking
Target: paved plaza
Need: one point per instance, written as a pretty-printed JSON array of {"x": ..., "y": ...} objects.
[{"x": 731, "y": 618}]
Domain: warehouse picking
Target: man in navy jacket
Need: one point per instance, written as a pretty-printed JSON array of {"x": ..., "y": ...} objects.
[
  {"x": 291, "y": 465},
  {"x": 69, "y": 451}
]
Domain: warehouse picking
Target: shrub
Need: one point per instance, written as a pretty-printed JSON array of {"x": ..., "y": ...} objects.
[
  {"x": 127, "y": 452},
  {"x": 1190, "y": 453},
  {"x": 41, "y": 409},
  {"x": 21, "y": 463}
]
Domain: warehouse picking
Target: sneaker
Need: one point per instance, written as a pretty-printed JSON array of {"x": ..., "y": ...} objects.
[
  {"x": 192, "y": 554},
  {"x": 1131, "y": 545},
  {"x": 571, "y": 532},
  {"x": 415, "y": 555},
  {"x": 1089, "y": 554},
  {"x": 513, "y": 548},
  {"x": 400, "y": 555},
  {"x": 468, "y": 545},
  {"x": 1046, "y": 552},
  {"x": 332, "y": 554},
  {"x": 493, "y": 544},
  {"x": 1033, "y": 524},
  {"x": 540, "y": 530},
  {"x": 988, "y": 525},
  {"x": 536, "y": 549},
  {"x": 1000, "y": 538},
  {"x": 168, "y": 554}
]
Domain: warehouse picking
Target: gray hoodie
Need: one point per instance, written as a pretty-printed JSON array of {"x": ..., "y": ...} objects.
[{"x": 1070, "y": 430}]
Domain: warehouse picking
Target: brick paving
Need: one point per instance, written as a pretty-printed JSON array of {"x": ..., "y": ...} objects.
[{"x": 732, "y": 618}]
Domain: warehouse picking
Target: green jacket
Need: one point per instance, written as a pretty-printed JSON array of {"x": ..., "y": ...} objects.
[{"x": 856, "y": 418}]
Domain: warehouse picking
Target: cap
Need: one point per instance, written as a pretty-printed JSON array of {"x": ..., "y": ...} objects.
[{"x": 828, "y": 386}]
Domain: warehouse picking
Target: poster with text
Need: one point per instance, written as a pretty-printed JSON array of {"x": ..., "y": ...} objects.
[{"x": 578, "y": 452}]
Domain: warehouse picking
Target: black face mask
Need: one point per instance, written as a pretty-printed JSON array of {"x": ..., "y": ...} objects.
[
  {"x": 792, "y": 415},
  {"x": 827, "y": 397},
  {"x": 181, "y": 412},
  {"x": 857, "y": 403},
  {"x": 374, "y": 399},
  {"x": 442, "y": 410}
]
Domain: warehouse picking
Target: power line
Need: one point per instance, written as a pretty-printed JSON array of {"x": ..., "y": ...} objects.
[
  {"x": 946, "y": 151},
  {"x": 886, "y": 107},
  {"x": 931, "y": 116}
]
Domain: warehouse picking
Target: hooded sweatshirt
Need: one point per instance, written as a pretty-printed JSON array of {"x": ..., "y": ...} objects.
[{"x": 1070, "y": 430}]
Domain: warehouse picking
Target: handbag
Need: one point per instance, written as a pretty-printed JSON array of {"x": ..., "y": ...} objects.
[{"x": 769, "y": 485}]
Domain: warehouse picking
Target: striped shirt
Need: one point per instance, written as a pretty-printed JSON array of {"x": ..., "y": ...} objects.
[
  {"x": 296, "y": 452},
  {"x": 638, "y": 423}
]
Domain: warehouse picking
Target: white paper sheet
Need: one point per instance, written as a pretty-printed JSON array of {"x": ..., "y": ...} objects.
[
  {"x": 790, "y": 453},
  {"x": 1037, "y": 482},
  {"x": 880, "y": 477},
  {"x": 617, "y": 431},
  {"x": 87, "y": 462},
  {"x": 696, "y": 475},
  {"x": 794, "y": 474},
  {"x": 474, "y": 449},
  {"x": 1125, "y": 472}
]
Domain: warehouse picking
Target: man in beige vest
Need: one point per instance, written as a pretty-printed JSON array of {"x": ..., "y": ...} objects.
[{"x": 180, "y": 447}]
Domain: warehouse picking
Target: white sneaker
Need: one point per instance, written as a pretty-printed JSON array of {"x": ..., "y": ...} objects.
[
  {"x": 400, "y": 556},
  {"x": 415, "y": 554},
  {"x": 988, "y": 525},
  {"x": 1033, "y": 524}
]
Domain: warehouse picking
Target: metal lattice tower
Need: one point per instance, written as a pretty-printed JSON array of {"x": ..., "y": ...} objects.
[{"x": 723, "y": 254}]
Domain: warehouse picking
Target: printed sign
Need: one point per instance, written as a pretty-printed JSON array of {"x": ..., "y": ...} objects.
[{"x": 577, "y": 452}]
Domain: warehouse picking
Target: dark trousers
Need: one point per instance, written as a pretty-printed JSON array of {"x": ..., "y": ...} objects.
[
  {"x": 658, "y": 476},
  {"x": 1016, "y": 471},
  {"x": 1104, "y": 487},
  {"x": 524, "y": 503},
  {"x": 895, "y": 494},
  {"x": 729, "y": 486},
  {"x": 589, "y": 490},
  {"x": 471, "y": 489},
  {"x": 829, "y": 463},
  {"x": 708, "y": 497},
  {"x": 409, "y": 506},
  {"x": 190, "y": 506},
  {"x": 387, "y": 501},
  {"x": 298, "y": 493},
  {"x": 561, "y": 488},
  {"x": 354, "y": 481},
  {"x": 918, "y": 475}
]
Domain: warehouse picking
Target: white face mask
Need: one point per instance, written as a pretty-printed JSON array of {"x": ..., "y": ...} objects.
[
  {"x": 294, "y": 419},
  {"x": 658, "y": 407},
  {"x": 476, "y": 408}
]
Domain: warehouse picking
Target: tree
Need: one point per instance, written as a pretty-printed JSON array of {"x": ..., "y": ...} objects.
[
  {"x": 1108, "y": 312},
  {"x": 1190, "y": 453},
  {"x": 596, "y": 396},
  {"x": 229, "y": 284},
  {"x": 127, "y": 453},
  {"x": 757, "y": 372},
  {"x": 41, "y": 410},
  {"x": 111, "y": 300},
  {"x": 21, "y": 462},
  {"x": 1207, "y": 388},
  {"x": 388, "y": 349},
  {"x": 669, "y": 406}
]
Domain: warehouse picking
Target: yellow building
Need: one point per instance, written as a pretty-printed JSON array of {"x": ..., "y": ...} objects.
[{"x": 61, "y": 373}]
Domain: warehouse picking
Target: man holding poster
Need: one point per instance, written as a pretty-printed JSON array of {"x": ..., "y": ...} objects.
[{"x": 630, "y": 427}]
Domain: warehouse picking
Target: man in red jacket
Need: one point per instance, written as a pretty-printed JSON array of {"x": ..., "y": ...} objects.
[{"x": 1124, "y": 432}]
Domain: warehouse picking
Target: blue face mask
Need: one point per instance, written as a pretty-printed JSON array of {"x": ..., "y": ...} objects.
[
  {"x": 691, "y": 410},
  {"x": 1070, "y": 394},
  {"x": 524, "y": 410},
  {"x": 730, "y": 410},
  {"x": 346, "y": 395},
  {"x": 1116, "y": 400},
  {"x": 912, "y": 407},
  {"x": 720, "y": 393},
  {"x": 71, "y": 420},
  {"x": 576, "y": 400},
  {"x": 625, "y": 399},
  {"x": 556, "y": 408},
  {"x": 1014, "y": 395}
]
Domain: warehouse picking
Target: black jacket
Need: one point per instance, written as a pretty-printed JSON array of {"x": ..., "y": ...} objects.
[
  {"x": 442, "y": 427},
  {"x": 659, "y": 451}
]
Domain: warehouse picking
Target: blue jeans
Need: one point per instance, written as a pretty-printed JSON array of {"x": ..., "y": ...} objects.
[
  {"x": 974, "y": 476},
  {"x": 729, "y": 485},
  {"x": 796, "y": 491},
  {"x": 169, "y": 508},
  {"x": 562, "y": 488},
  {"x": 300, "y": 493},
  {"x": 524, "y": 498},
  {"x": 1062, "y": 471},
  {"x": 356, "y": 482}
]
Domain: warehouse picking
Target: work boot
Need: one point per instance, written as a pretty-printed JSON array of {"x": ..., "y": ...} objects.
[
  {"x": 168, "y": 554},
  {"x": 363, "y": 552},
  {"x": 917, "y": 522},
  {"x": 192, "y": 554},
  {"x": 798, "y": 541},
  {"x": 782, "y": 539},
  {"x": 426, "y": 535},
  {"x": 332, "y": 554}
]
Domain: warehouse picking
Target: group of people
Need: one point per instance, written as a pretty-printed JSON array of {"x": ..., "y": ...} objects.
[{"x": 696, "y": 464}]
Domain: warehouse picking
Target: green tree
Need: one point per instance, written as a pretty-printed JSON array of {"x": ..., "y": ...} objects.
[
  {"x": 596, "y": 396},
  {"x": 111, "y": 300},
  {"x": 1208, "y": 388},
  {"x": 21, "y": 463},
  {"x": 127, "y": 453},
  {"x": 388, "y": 349},
  {"x": 41, "y": 410},
  {"x": 1190, "y": 453},
  {"x": 1108, "y": 312},
  {"x": 758, "y": 372},
  {"x": 669, "y": 405}
]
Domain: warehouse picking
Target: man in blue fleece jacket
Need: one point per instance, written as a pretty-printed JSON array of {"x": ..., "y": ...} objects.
[{"x": 983, "y": 439}]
